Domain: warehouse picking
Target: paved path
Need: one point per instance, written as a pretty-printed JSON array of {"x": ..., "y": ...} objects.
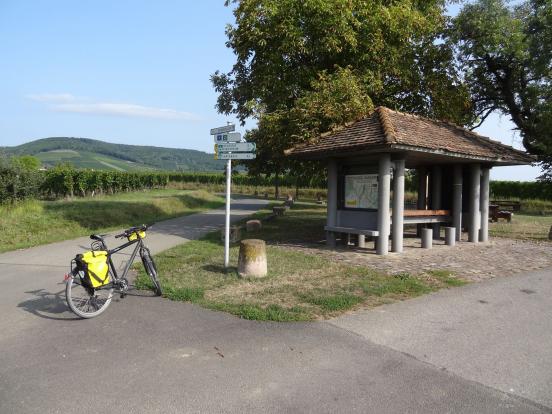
[
  {"x": 151, "y": 355},
  {"x": 497, "y": 333}
]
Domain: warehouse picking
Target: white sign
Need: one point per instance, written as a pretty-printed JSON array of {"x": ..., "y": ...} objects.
[
  {"x": 236, "y": 156},
  {"x": 361, "y": 191},
  {"x": 237, "y": 147},
  {"x": 223, "y": 129},
  {"x": 230, "y": 137}
]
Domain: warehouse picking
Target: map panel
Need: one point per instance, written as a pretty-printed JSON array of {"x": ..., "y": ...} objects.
[{"x": 361, "y": 191}]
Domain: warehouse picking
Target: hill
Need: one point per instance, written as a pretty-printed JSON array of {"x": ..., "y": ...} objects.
[{"x": 101, "y": 155}]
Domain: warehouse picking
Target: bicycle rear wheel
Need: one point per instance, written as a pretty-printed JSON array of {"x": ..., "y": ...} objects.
[
  {"x": 86, "y": 302},
  {"x": 151, "y": 270}
]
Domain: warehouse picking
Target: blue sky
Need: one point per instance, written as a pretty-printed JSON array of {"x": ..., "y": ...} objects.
[{"x": 134, "y": 72}]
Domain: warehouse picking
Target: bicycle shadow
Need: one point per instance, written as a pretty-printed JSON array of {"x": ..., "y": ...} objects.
[
  {"x": 53, "y": 306},
  {"x": 48, "y": 305}
]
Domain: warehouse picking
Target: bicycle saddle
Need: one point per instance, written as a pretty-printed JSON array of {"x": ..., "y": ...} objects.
[{"x": 99, "y": 237}]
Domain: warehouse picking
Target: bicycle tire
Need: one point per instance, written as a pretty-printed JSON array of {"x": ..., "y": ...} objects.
[
  {"x": 151, "y": 270},
  {"x": 86, "y": 303}
]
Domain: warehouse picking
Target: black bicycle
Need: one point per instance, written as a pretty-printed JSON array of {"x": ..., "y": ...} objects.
[{"x": 88, "y": 301}]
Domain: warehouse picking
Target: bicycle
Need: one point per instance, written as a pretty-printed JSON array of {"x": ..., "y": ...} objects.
[{"x": 87, "y": 301}]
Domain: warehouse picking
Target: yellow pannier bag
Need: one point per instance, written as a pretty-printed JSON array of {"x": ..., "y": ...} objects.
[
  {"x": 134, "y": 235},
  {"x": 95, "y": 268}
]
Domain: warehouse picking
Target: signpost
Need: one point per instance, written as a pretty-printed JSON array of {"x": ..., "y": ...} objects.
[
  {"x": 227, "y": 137},
  {"x": 236, "y": 156},
  {"x": 228, "y": 146},
  {"x": 237, "y": 147}
]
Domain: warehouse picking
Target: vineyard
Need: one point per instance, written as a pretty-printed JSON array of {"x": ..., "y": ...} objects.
[
  {"x": 62, "y": 181},
  {"x": 17, "y": 183}
]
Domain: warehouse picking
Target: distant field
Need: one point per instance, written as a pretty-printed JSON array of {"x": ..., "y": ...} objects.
[{"x": 84, "y": 159}]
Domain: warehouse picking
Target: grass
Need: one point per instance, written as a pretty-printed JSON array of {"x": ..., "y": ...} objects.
[
  {"x": 525, "y": 227},
  {"x": 298, "y": 287},
  {"x": 34, "y": 222}
]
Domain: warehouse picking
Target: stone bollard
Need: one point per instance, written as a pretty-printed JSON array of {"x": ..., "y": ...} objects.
[
  {"x": 235, "y": 234},
  {"x": 427, "y": 238},
  {"x": 450, "y": 236},
  {"x": 550, "y": 234},
  {"x": 253, "y": 225},
  {"x": 279, "y": 210},
  {"x": 252, "y": 258}
]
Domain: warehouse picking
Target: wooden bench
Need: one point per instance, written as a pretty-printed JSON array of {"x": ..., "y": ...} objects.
[
  {"x": 495, "y": 213},
  {"x": 503, "y": 205},
  {"x": 426, "y": 216}
]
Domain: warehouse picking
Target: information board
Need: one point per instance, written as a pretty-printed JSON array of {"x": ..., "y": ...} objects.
[{"x": 361, "y": 191}]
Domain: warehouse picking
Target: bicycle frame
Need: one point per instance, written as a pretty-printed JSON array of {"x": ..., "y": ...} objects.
[{"x": 139, "y": 245}]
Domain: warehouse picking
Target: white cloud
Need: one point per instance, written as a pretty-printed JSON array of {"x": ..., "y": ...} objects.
[
  {"x": 52, "y": 97},
  {"x": 68, "y": 103}
]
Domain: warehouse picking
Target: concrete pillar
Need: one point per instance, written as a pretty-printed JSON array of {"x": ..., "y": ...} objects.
[
  {"x": 450, "y": 236},
  {"x": 422, "y": 188},
  {"x": 384, "y": 190},
  {"x": 361, "y": 241},
  {"x": 331, "y": 219},
  {"x": 474, "y": 222},
  {"x": 422, "y": 195},
  {"x": 457, "y": 201},
  {"x": 436, "y": 202},
  {"x": 398, "y": 207},
  {"x": 427, "y": 238},
  {"x": 484, "y": 205}
]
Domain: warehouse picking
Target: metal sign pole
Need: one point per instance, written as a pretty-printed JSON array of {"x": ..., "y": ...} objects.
[{"x": 227, "y": 224}]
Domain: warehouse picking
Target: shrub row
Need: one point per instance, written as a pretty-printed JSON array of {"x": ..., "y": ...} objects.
[
  {"x": 17, "y": 183},
  {"x": 523, "y": 190}
]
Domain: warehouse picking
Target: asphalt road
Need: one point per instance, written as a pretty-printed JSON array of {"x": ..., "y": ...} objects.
[{"x": 151, "y": 355}]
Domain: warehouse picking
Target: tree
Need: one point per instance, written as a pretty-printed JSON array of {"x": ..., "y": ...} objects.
[
  {"x": 506, "y": 55},
  {"x": 26, "y": 162},
  {"x": 304, "y": 67}
]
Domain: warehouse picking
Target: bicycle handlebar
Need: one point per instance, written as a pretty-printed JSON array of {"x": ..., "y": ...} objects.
[{"x": 131, "y": 230}]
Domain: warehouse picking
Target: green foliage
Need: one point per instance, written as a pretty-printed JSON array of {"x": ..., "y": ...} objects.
[
  {"x": 523, "y": 190},
  {"x": 18, "y": 180},
  {"x": 26, "y": 162},
  {"x": 304, "y": 67},
  {"x": 506, "y": 54}
]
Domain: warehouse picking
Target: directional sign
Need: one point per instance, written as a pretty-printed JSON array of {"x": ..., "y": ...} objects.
[
  {"x": 237, "y": 147},
  {"x": 223, "y": 129},
  {"x": 236, "y": 156},
  {"x": 230, "y": 137}
]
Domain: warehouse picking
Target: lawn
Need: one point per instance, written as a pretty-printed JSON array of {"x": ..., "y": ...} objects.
[
  {"x": 525, "y": 227},
  {"x": 35, "y": 222},
  {"x": 299, "y": 286}
]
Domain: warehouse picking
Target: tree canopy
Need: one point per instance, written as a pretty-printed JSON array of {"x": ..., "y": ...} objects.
[
  {"x": 304, "y": 67},
  {"x": 505, "y": 53}
]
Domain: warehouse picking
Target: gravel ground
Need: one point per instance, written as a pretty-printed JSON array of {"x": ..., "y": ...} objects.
[{"x": 473, "y": 262}]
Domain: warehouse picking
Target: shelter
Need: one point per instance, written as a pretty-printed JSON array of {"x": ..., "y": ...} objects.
[{"x": 366, "y": 156}]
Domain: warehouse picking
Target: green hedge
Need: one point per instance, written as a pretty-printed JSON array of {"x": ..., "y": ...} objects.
[{"x": 523, "y": 190}]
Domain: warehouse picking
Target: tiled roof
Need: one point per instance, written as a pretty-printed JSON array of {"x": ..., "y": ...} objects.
[{"x": 385, "y": 128}]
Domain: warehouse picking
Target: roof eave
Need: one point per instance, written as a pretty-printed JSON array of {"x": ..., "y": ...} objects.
[{"x": 495, "y": 160}]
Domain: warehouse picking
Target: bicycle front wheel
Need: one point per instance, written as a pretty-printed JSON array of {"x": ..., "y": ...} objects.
[
  {"x": 85, "y": 302},
  {"x": 151, "y": 270}
]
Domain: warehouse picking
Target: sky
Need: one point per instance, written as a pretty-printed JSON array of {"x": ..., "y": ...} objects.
[{"x": 132, "y": 72}]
